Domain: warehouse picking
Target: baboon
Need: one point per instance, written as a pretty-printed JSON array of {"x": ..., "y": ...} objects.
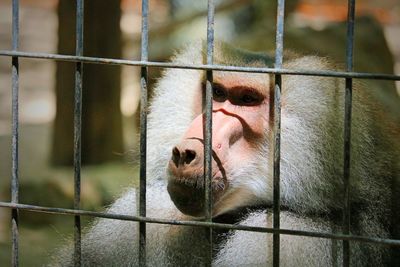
[{"x": 311, "y": 168}]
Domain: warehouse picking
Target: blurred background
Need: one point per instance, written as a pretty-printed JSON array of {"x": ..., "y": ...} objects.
[{"x": 111, "y": 93}]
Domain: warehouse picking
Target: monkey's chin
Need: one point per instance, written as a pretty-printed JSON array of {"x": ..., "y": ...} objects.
[{"x": 188, "y": 198}]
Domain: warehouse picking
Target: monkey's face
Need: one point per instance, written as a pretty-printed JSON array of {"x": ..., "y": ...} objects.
[{"x": 240, "y": 122}]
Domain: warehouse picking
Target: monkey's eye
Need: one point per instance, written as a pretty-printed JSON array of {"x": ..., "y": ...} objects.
[
  {"x": 250, "y": 99},
  {"x": 219, "y": 93}
]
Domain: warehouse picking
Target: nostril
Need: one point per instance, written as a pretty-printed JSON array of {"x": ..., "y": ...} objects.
[
  {"x": 176, "y": 155},
  {"x": 190, "y": 155}
]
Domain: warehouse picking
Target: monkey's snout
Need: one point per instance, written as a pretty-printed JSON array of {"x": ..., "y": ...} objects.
[
  {"x": 185, "y": 184},
  {"x": 181, "y": 157},
  {"x": 187, "y": 159}
]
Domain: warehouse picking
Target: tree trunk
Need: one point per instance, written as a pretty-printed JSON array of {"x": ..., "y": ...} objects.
[{"x": 101, "y": 116}]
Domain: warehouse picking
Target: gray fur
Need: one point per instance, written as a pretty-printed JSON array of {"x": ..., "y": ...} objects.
[{"x": 311, "y": 176}]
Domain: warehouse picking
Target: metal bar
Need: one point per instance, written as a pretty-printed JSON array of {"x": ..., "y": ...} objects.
[
  {"x": 347, "y": 131},
  {"x": 277, "y": 132},
  {"x": 77, "y": 132},
  {"x": 283, "y": 71},
  {"x": 15, "y": 134},
  {"x": 208, "y": 205},
  {"x": 73, "y": 212},
  {"x": 143, "y": 133}
]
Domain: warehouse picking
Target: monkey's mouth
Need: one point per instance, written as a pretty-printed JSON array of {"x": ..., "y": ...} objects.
[{"x": 189, "y": 196}]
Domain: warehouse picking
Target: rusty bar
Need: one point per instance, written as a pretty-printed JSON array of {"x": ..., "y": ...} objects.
[
  {"x": 73, "y": 212},
  {"x": 15, "y": 136},
  {"x": 77, "y": 132},
  {"x": 208, "y": 201},
  {"x": 283, "y": 71},
  {"x": 277, "y": 131},
  {"x": 347, "y": 131},
  {"x": 143, "y": 133}
]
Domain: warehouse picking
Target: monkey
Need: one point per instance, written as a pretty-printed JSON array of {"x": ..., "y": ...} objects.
[{"x": 311, "y": 185}]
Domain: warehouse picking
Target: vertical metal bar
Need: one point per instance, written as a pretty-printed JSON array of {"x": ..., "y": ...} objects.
[
  {"x": 347, "y": 131},
  {"x": 14, "y": 142},
  {"x": 277, "y": 130},
  {"x": 208, "y": 125},
  {"x": 77, "y": 132},
  {"x": 143, "y": 134}
]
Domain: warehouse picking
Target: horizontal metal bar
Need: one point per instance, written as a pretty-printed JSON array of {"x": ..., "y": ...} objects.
[
  {"x": 61, "y": 211},
  {"x": 97, "y": 60}
]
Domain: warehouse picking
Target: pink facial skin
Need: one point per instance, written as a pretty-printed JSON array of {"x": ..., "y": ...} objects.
[{"x": 239, "y": 123}]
